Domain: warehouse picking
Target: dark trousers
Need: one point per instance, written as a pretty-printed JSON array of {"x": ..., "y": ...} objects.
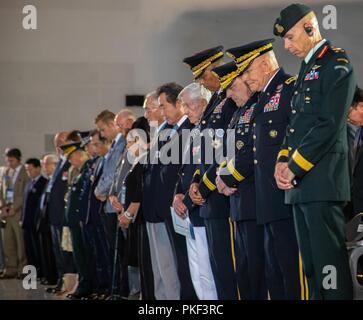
[
  {"x": 146, "y": 272},
  {"x": 97, "y": 257},
  {"x": 47, "y": 259},
  {"x": 282, "y": 260},
  {"x": 32, "y": 249},
  {"x": 179, "y": 246},
  {"x": 320, "y": 229},
  {"x": 220, "y": 237},
  {"x": 56, "y": 232},
  {"x": 250, "y": 260},
  {"x": 80, "y": 261},
  {"x": 118, "y": 269}
]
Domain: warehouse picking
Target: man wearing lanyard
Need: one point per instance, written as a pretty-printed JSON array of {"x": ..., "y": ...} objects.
[{"x": 12, "y": 202}]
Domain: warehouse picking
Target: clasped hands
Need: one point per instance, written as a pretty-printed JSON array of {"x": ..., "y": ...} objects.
[
  {"x": 283, "y": 176},
  {"x": 116, "y": 204}
]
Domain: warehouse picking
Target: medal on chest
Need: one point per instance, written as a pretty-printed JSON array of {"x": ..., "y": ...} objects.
[{"x": 273, "y": 104}]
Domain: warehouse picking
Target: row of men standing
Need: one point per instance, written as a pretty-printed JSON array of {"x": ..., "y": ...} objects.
[{"x": 251, "y": 239}]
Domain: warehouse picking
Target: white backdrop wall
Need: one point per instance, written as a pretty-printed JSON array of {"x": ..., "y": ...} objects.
[{"x": 86, "y": 55}]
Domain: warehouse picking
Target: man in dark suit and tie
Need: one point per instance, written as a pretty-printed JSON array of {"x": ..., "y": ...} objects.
[
  {"x": 47, "y": 259},
  {"x": 30, "y": 212},
  {"x": 169, "y": 258},
  {"x": 94, "y": 230},
  {"x": 56, "y": 190},
  {"x": 355, "y": 141}
]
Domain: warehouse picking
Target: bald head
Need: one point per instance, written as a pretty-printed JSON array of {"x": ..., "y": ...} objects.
[
  {"x": 124, "y": 120},
  {"x": 49, "y": 162}
]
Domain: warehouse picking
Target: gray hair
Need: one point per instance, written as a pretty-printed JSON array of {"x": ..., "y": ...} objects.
[
  {"x": 196, "y": 91},
  {"x": 153, "y": 95},
  {"x": 54, "y": 158},
  {"x": 127, "y": 113}
]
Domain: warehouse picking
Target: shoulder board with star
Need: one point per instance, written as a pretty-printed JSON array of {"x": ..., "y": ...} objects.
[{"x": 290, "y": 80}]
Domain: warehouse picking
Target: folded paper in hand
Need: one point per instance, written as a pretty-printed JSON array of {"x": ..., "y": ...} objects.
[{"x": 182, "y": 226}]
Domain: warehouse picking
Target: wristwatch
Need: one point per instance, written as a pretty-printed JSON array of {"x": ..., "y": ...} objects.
[{"x": 128, "y": 215}]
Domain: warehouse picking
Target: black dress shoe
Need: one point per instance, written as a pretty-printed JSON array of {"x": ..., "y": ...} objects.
[
  {"x": 50, "y": 290},
  {"x": 77, "y": 296},
  {"x": 93, "y": 296},
  {"x": 54, "y": 289},
  {"x": 44, "y": 282}
]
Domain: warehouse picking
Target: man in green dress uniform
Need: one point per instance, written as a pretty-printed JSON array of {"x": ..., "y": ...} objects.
[{"x": 312, "y": 165}]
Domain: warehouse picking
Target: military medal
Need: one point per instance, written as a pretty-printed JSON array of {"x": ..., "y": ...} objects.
[
  {"x": 239, "y": 144},
  {"x": 312, "y": 75},
  {"x": 273, "y": 104},
  {"x": 273, "y": 134}
]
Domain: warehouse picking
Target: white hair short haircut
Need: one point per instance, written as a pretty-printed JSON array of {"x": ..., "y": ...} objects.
[{"x": 195, "y": 91}]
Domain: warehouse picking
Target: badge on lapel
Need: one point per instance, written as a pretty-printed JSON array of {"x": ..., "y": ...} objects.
[{"x": 65, "y": 175}]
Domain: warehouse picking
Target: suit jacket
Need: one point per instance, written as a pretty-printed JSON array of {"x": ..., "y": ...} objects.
[
  {"x": 109, "y": 169},
  {"x": 31, "y": 210},
  {"x": 94, "y": 205},
  {"x": 160, "y": 179},
  {"x": 186, "y": 173},
  {"x": 122, "y": 169},
  {"x": 19, "y": 187},
  {"x": 357, "y": 177},
  {"x": 55, "y": 198},
  {"x": 42, "y": 217}
]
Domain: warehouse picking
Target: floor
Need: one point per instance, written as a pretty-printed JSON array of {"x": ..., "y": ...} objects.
[{"x": 13, "y": 289}]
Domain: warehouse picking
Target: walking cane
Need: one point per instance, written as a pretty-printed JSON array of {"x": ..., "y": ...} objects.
[{"x": 114, "y": 274}]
